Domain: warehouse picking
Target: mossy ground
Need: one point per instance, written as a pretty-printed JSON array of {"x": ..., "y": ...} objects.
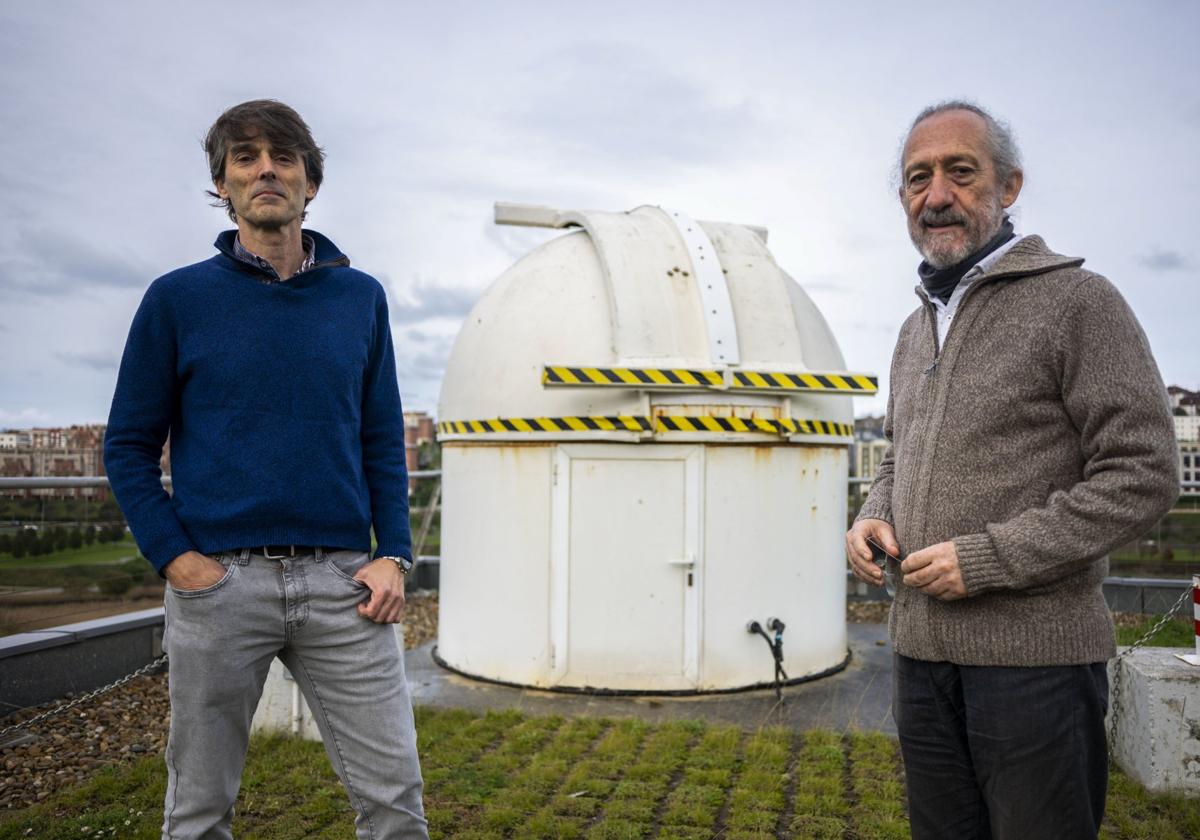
[{"x": 504, "y": 775}]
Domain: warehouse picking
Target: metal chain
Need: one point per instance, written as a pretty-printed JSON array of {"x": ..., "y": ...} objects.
[
  {"x": 1185, "y": 597},
  {"x": 83, "y": 698}
]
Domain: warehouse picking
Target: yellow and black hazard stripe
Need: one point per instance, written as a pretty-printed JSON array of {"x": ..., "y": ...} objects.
[
  {"x": 635, "y": 377},
  {"x": 675, "y": 423},
  {"x": 845, "y": 383},
  {"x": 827, "y": 382},
  {"x": 666, "y": 423},
  {"x": 546, "y": 424}
]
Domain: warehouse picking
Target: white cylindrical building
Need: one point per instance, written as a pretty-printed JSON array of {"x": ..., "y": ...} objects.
[{"x": 644, "y": 427}]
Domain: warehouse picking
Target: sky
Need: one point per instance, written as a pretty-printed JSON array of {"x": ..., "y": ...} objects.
[{"x": 787, "y": 115}]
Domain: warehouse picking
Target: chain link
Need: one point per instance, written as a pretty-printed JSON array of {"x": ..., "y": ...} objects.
[
  {"x": 83, "y": 698},
  {"x": 1186, "y": 597}
]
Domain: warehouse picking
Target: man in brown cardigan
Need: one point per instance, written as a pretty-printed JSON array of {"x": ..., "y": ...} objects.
[{"x": 1030, "y": 436}]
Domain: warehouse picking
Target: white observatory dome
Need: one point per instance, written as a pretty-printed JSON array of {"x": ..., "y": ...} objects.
[{"x": 645, "y": 428}]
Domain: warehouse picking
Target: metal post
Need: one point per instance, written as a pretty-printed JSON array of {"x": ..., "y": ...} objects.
[{"x": 1194, "y": 658}]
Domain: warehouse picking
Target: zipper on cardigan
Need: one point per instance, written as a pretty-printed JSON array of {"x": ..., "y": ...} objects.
[{"x": 937, "y": 345}]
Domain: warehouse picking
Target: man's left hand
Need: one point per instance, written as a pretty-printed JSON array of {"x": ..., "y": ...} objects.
[
  {"x": 934, "y": 570},
  {"x": 386, "y": 582}
]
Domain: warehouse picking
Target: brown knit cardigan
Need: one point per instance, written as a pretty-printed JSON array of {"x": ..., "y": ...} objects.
[{"x": 1038, "y": 439}]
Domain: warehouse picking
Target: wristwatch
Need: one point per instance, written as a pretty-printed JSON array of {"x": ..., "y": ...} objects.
[{"x": 403, "y": 562}]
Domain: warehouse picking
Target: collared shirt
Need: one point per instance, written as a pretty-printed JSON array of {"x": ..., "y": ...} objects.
[
  {"x": 946, "y": 311},
  {"x": 249, "y": 257}
]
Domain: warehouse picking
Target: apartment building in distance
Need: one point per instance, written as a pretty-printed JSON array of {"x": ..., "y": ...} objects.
[
  {"x": 1185, "y": 405},
  {"x": 54, "y": 452},
  {"x": 418, "y": 429},
  {"x": 867, "y": 452},
  {"x": 79, "y": 451}
]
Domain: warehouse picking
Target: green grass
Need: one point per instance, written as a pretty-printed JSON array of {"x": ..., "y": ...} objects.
[
  {"x": 503, "y": 775},
  {"x": 1176, "y": 633},
  {"x": 1134, "y": 814},
  {"x": 78, "y": 568},
  {"x": 95, "y": 554},
  {"x": 1183, "y": 562}
]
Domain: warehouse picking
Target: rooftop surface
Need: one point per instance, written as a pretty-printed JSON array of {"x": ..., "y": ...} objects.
[{"x": 857, "y": 697}]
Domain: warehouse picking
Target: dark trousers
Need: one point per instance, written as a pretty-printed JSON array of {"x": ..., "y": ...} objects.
[{"x": 1002, "y": 753}]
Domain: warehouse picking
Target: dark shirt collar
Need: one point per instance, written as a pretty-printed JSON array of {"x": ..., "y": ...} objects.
[{"x": 940, "y": 282}]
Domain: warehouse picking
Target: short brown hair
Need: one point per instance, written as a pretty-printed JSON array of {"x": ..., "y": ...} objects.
[{"x": 281, "y": 125}]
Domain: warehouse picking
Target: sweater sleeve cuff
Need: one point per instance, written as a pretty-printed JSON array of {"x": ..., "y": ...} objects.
[
  {"x": 393, "y": 551},
  {"x": 979, "y": 564},
  {"x": 163, "y": 551}
]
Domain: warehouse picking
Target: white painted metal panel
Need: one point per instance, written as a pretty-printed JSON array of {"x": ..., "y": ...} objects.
[
  {"x": 495, "y": 564},
  {"x": 774, "y": 547},
  {"x": 627, "y": 567},
  {"x": 553, "y": 304},
  {"x": 766, "y": 328}
]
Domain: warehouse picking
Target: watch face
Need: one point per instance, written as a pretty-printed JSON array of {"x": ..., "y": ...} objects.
[{"x": 405, "y": 564}]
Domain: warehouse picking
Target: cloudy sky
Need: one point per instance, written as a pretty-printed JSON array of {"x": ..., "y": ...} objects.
[{"x": 783, "y": 114}]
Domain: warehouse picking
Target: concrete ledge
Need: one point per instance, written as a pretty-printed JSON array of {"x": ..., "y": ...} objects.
[
  {"x": 66, "y": 634},
  {"x": 1157, "y": 740},
  {"x": 1148, "y": 596},
  {"x": 47, "y": 664},
  {"x": 426, "y": 574}
]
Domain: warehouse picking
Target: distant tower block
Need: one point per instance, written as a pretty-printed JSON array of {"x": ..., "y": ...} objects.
[{"x": 645, "y": 425}]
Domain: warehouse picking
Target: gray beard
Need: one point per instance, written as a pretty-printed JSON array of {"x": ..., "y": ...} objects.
[{"x": 976, "y": 239}]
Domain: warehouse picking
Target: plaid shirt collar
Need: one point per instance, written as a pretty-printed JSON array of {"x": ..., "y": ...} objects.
[{"x": 250, "y": 258}]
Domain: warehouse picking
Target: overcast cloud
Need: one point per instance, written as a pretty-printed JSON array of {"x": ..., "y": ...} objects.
[
  {"x": 781, "y": 114},
  {"x": 1164, "y": 261}
]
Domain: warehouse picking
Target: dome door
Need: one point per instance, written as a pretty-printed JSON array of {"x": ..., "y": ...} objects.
[{"x": 626, "y": 567}]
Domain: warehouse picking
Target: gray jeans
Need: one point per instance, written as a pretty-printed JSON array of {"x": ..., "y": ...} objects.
[{"x": 221, "y": 641}]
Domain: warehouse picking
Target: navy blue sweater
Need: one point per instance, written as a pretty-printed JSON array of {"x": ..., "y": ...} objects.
[{"x": 282, "y": 405}]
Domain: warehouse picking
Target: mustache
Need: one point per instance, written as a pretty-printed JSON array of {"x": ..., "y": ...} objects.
[{"x": 939, "y": 218}]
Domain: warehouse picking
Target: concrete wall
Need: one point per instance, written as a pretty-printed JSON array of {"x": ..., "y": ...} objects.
[
  {"x": 48, "y": 664},
  {"x": 1157, "y": 739},
  {"x": 1149, "y": 596}
]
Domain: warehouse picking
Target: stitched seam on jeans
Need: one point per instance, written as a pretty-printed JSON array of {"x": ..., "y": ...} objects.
[
  {"x": 337, "y": 747},
  {"x": 170, "y": 760},
  {"x": 305, "y": 595},
  {"x": 337, "y": 571},
  {"x": 174, "y": 793},
  {"x": 204, "y": 591}
]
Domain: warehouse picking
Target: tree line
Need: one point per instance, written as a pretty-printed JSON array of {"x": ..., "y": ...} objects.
[{"x": 28, "y": 542}]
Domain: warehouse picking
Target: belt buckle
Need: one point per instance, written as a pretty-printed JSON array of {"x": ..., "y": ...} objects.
[{"x": 267, "y": 554}]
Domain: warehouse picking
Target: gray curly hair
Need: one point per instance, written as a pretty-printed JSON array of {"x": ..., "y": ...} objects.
[{"x": 1002, "y": 146}]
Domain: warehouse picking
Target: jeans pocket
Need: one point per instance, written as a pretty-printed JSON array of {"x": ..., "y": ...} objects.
[
  {"x": 345, "y": 564},
  {"x": 225, "y": 560}
]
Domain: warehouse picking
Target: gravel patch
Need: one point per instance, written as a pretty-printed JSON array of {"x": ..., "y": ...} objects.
[
  {"x": 868, "y": 612},
  {"x": 127, "y": 724}
]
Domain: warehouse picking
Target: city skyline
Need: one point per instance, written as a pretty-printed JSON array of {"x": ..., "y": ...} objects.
[{"x": 785, "y": 115}]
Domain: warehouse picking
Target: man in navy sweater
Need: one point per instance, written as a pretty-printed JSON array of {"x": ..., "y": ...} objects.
[{"x": 271, "y": 367}]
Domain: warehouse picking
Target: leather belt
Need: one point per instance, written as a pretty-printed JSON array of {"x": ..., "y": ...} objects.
[{"x": 278, "y": 552}]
